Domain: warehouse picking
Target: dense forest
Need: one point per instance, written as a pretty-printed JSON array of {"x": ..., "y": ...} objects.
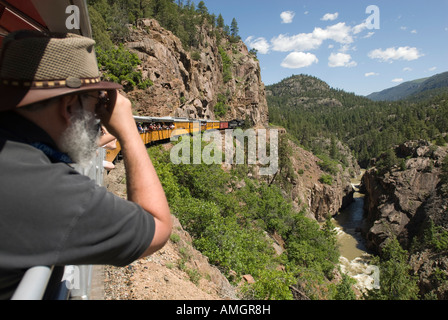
[
  {"x": 309, "y": 109},
  {"x": 110, "y": 19}
]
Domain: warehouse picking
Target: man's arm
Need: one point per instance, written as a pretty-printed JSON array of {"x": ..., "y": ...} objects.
[{"x": 143, "y": 184}]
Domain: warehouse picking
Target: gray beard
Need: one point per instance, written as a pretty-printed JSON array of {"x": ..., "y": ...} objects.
[{"x": 80, "y": 139}]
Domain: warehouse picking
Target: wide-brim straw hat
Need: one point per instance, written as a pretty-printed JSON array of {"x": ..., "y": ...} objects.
[{"x": 35, "y": 67}]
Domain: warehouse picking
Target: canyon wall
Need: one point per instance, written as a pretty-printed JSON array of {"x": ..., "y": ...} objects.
[{"x": 191, "y": 83}]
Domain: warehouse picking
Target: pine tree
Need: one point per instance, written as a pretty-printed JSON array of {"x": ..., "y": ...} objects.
[
  {"x": 202, "y": 9},
  {"x": 220, "y": 22},
  {"x": 234, "y": 28},
  {"x": 396, "y": 283}
]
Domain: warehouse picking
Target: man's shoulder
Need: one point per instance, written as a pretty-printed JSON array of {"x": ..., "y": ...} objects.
[
  {"x": 29, "y": 166},
  {"x": 11, "y": 148}
]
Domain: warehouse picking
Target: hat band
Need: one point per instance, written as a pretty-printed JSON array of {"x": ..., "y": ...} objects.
[{"x": 69, "y": 82}]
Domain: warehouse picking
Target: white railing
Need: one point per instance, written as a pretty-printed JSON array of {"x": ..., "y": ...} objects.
[{"x": 34, "y": 284}]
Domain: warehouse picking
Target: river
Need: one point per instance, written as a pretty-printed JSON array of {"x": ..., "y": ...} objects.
[{"x": 355, "y": 259}]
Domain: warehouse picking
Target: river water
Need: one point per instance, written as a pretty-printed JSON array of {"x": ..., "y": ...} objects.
[{"x": 355, "y": 259}]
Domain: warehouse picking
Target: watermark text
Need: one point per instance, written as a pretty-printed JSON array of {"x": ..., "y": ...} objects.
[
  {"x": 232, "y": 145},
  {"x": 73, "y": 20}
]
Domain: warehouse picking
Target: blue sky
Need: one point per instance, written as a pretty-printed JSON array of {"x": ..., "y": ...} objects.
[{"x": 340, "y": 43}]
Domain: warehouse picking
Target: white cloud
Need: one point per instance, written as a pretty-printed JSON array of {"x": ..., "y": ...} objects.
[
  {"x": 407, "y": 69},
  {"x": 260, "y": 44},
  {"x": 360, "y": 27},
  {"x": 432, "y": 69},
  {"x": 390, "y": 54},
  {"x": 371, "y": 74},
  {"x": 300, "y": 42},
  {"x": 341, "y": 60},
  {"x": 347, "y": 47},
  {"x": 339, "y": 32},
  {"x": 287, "y": 16},
  {"x": 330, "y": 16},
  {"x": 369, "y": 35},
  {"x": 296, "y": 60},
  {"x": 397, "y": 80},
  {"x": 414, "y": 31}
]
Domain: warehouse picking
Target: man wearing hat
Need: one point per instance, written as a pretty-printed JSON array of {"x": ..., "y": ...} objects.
[{"x": 52, "y": 104}]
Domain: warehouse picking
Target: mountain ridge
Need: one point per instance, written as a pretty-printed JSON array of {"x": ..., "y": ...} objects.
[
  {"x": 411, "y": 88},
  {"x": 309, "y": 108}
]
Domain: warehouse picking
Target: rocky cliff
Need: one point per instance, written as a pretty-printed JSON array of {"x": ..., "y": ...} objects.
[
  {"x": 410, "y": 202},
  {"x": 191, "y": 83},
  {"x": 320, "y": 200},
  {"x": 396, "y": 201}
]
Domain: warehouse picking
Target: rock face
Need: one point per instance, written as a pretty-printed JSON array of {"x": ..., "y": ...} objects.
[
  {"x": 403, "y": 203},
  {"x": 396, "y": 203},
  {"x": 329, "y": 200},
  {"x": 320, "y": 200},
  {"x": 190, "y": 84}
]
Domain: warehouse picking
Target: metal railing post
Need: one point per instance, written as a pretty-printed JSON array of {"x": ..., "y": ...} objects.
[{"x": 34, "y": 284}]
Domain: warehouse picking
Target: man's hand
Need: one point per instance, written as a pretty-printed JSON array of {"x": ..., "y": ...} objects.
[{"x": 117, "y": 116}]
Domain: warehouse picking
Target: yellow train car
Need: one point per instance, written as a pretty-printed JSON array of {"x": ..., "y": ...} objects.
[
  {"x": 182, "y": 127},
  {"x": 196, "y": 127},
  {"x": 154, "y": 129},
  {"x": 212, "y": 124}
]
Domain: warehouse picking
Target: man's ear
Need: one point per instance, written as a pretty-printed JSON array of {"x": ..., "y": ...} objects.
[{"x": 67, "y": 106}]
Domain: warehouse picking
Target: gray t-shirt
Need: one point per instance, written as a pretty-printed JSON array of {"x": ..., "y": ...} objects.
[{"x": 52, "y": 215}]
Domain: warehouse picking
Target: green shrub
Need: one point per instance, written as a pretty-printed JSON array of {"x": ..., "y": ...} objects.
[
  {"x": 195, "y": 55},
  {"x": 271, "y": 285},
  {"x": 344, "y": 289},
  {"x": 444, "y": 176},
  {"x": 326, "y": 179},
  {"x": 266, "y": 204},
  {"x": 227, "y": 243},
  {"x": 387, "y": 162},
  {"x": 436, "y": 238},
  {"x": 120, "y": 65},
  {"x": 221, "y": 106},
  {"x": 175, "y": 238},
  {"x": 226, "y": 65},
  {"x": 311, "y": 247},
  {"x": 396, "y": 281},
  {"x": 328, "y": 165}
]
